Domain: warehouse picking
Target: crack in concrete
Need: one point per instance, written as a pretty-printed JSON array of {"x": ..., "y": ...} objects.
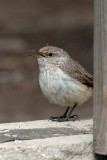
[{"x": 39, "y": 133}]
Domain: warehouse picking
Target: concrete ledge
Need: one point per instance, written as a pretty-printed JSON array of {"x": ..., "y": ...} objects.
[{"x": 40, "y": 140}]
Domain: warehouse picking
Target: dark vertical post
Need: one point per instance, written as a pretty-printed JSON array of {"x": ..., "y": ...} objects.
[{"x": 100, "y": 77}]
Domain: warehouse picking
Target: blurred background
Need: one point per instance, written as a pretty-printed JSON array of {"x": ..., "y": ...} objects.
[{"x": 31, "y": 24}]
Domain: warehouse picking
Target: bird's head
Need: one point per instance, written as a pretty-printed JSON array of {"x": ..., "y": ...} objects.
[{"x": 50, "y": 55}]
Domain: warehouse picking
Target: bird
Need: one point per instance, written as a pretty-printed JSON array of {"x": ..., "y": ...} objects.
[{"x": 63, "y": 80}]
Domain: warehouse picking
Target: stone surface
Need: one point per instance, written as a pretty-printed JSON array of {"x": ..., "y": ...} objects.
[
  {"x": 56, "y": 148},
  {"x": 40, "y": 140},
  {"x": 42, "y": 129}
]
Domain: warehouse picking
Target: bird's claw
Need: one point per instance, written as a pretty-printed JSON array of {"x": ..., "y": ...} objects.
[{"x": 64, "y": 119}]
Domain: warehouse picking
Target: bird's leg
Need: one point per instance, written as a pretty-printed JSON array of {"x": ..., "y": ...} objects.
[
  {"x": 65, "y": 113},
  {"x": 66, "y": 117},
  {"x": 61, "y": 117},
  {"x": 73, "y": 117},
  {"x": 69, "y": 117}
]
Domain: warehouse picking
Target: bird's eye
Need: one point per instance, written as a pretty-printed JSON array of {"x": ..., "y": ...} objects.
[{"x": 50, "y": 54}]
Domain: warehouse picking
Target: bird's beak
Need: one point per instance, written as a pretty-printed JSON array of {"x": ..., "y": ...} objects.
[
  {"x": 34, "y": 54},
  {"x": 39, "y": 54}
]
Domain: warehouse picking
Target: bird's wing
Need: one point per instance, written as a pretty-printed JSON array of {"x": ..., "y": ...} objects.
[{"x": 76, "y": 71}]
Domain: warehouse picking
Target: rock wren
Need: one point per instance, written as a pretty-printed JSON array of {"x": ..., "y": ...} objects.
[{"x": 62, "y": 80}]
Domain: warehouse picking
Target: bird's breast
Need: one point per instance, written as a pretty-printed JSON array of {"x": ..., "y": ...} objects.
[{"x": 61, "y": 89}]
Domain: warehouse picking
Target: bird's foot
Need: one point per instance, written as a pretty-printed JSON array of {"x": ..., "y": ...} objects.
[
  {"x": 56, "y": 118},
  {"x": 64, "y": 119}
]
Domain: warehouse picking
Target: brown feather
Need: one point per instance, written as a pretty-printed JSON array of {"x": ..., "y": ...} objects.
[{"x": 76, "y": 71}]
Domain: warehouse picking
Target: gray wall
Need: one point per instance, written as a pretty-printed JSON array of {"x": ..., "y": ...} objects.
[{"x": 31, "y": 24}]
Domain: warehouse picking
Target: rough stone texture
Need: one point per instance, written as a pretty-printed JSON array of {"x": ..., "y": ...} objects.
[
  {"x": 57, "y": 148},
  {"x": 46, "y": 140}
]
